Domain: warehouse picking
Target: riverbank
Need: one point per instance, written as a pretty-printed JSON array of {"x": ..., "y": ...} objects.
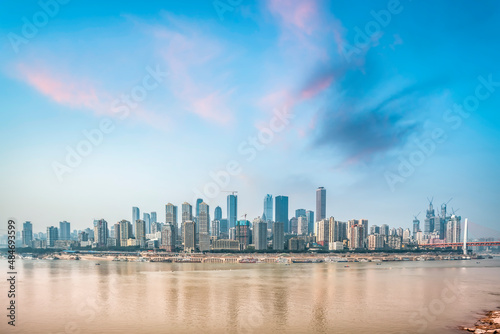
[{"x": 488, "y": 324}]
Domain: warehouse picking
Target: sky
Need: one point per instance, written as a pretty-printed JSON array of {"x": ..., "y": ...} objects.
[{"x": 106, "y": 106}]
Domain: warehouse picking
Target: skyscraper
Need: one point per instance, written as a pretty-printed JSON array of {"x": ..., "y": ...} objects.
[
  {"x": 232, "y": 209},
  {"x": 243, "y": 233},
  {"x": 117, "y": 233},
  {"x": 101, "y": 232},
  {"x": 310, "y": 221},
  {"x": 168, "y": 237},
  {"x": 281, "y": 208},
  {"x": 300, "y": 213},
  {"x": 204, "y": 227},
  {"x": 188, "y": 234},
  {"x": 27, "y": 234},
  {"x": 136, "y": 214},
  {"x": 320, "y": 203},
  {"x": 216, "y": 228},
  {"x": 218, "y": 213},
  {"x": 198, "y": 202},
  {"x": 268, "y": 208},
  {"x": 171, "y": 217},
  {"x": 303, "y": 226},
  {"x": 52, "y": 236},
  {"x": 140, "y": 233},
  {"x": 147, "y": 221},
  {"x": 187, "y": 215},
  {"x": 259, "y": 234},
  {"x": 278, "y": 236},
  {"x": 125, "y": 232},
  {"x": 64, "y": 230},
  {"x": 153, "y": 217},
  {"x": 323, "y": 235}
]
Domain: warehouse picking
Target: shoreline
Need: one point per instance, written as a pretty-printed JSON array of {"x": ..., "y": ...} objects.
[{"x": 490, "y": 324}]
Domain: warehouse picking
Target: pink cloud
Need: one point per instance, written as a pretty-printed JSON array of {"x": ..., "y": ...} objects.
[
  {"x": 61, "y": 89},
  {"x": 297, "y": 14}
]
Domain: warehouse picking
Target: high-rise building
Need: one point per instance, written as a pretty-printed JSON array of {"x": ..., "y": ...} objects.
[
  {"x": 153, "y": 217},
  {"x": 140, "y": 233},
  {"x": 198, "y": 202},
  {"x": 204, "y": 227},
  {"x": 147, "y": 221},
  {"x": 268, "y": 208},
  {"x": 232, "y": 210},
  {"x": 416, "y": 227},
  {"x": 125, "y": 232},
  {"x": 303, "y": 226},
  {"x": 357, "y": 237},
  {"x": 310, "y": 221},
  {"x": 27, "y": 234},
  {"x": 374, "y": 229},
  {"x": 52, "y": 236},
  {"x": 429, "y": 222},
  {"x": 278, "y": 236},
  {"x": 384, "y": 229},
  {"x": 300, "y": 213},
  {"x": 281, "y": 209},
  {"x": 218, "y": 213},
  {"x": 224, "y": 227},
  {"x": 243, "y": 233},
  {"x": 294, "y": 225},
  {"x": 168, "y": 237},
  {"x": 320, "y": 204},
  {"x": 259, "y": 234},
  {"x": 171, "y": 217},
  {"x": 375, "y": 241},
  {"x": 64, "y": 231},
  {"x": 187, "y": 215},
  {"x": 116, "y": 235},
  {"x": 136, "y": 214},
  {"x": 216, "y": 228},
  {"x": 189, "y": 238},
  {"x": 335, "y": 230},
  {"x": 101, "y": 232},
  {"x": 453, "y": 229},
  {"x": 323, "y": 232},
  {"x": 364, "y": 223}
]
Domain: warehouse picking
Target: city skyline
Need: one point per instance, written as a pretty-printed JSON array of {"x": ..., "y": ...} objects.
[{"x": 269, "y": 97}]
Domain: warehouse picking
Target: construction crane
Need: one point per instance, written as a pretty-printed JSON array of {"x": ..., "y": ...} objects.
[
  {"x": 418, "y": 214},
  {"x": 233, "y": 192},
  {"x": 453, "y": 210}
]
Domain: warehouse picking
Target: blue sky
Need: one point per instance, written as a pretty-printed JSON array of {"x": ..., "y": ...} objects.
[{"x": 388, "y": 102}]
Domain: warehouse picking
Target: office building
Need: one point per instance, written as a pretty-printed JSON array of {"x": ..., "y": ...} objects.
[
  {"x": 294, "y": 225},
  {"x": 310, "y": 221},
  {"x": 147, "y": 221},
  {"x": 187, "y": 215},
  {"x": 267, "y": 216},
  {"x": 216, "y": 228},
  {"x": 52, "y": 236},
  {"x": 136, "y": 214},
  {"x": 140, "y": 233},
  {"x": 278, "y": 236},
  {"x": 189, "y": 237},
  {"x": 260, "y": 234},
  {"x": 27, "y": 234},
  {"x": 224, "y": 227},
  {"x": 64, "y": 230},
  {"x": 171, "y": 217},
  {"x": 232, "y": 210},
  {"x": 281, "y": 212},
  {"x": 300, "y": 213},
  {"x": 320, "y": 204},
  {"x": 296, "y": 244},
  {"x": 218, "y": 213},
  {"x": 203, "y": 227}
]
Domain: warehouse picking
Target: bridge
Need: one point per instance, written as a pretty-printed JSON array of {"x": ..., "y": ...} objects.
[{"x": 465, "y": 243}]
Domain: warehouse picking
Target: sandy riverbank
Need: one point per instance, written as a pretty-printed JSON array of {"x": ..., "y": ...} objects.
[{"x": 488, "y": 324}]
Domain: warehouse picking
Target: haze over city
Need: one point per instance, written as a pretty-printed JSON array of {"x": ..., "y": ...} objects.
[{"x": 381, "y": 119}]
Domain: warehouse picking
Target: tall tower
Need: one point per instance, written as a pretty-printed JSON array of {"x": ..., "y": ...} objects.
[
  {"x": 27, "y": 234},
  {"x": 465, "y": 235},
  {"x": 204, "y": 227},
  {"x": 64, "y": 230},
  {"x": 218, "y": 213},
  {"x": 281, "y": 208},
  {"x": 268, "y": 208},
  {"x": 232, "y": 209},
  {"x": 187, "y": 215},
  {"x": 136, "y": 214},
  {"x": 320, "y": 203}
]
